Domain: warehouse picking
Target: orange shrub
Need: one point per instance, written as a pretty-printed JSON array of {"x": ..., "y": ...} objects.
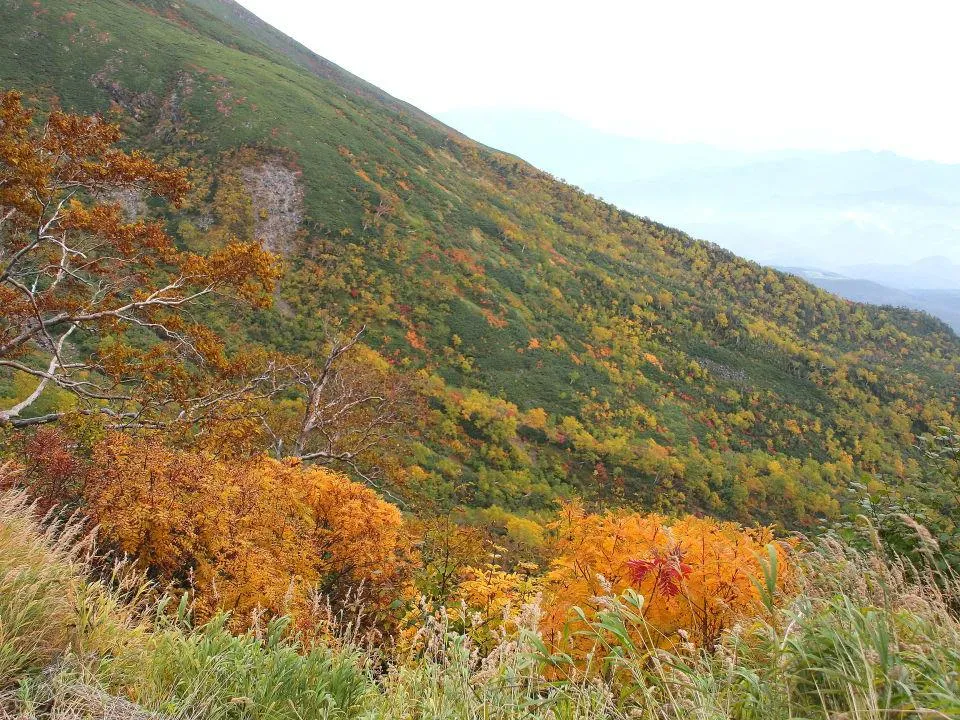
[
  {"x": 695, "y": 574},
  {"x": 260, "y": 533}
]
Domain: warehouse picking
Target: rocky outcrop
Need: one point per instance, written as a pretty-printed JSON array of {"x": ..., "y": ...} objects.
[{"x": 277, "y": 197}]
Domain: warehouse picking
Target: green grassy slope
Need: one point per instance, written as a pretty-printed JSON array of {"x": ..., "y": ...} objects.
[{"x": 670, "y": 371}]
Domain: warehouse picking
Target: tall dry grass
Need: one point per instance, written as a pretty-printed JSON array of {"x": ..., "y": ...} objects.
[{"x": 864, "y": 638}]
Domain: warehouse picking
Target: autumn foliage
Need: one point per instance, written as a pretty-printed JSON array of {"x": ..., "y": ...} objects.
[
  {"x": 93, "y": 306},
  {"x": 243, "y": 535},
  {"x": 491, "y": 604},
  {"x": 76, "y": 270},
  {"x": 696, "y": 575}
]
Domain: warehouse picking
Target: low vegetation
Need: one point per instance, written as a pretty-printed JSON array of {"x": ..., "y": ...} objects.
[{"x": 857, "y": 636}]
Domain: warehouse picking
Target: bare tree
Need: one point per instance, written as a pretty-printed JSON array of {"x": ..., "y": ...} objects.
[{"x": 349, "y": 414}]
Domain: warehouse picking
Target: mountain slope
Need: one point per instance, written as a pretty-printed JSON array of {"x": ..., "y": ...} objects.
[
  {"x": 944, "y": 304},
  {"x": 796, "y": 207},
  {"x": 561, "y": 345}
]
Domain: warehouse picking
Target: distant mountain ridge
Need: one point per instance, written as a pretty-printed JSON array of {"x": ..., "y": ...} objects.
[
  {"x": 931, "y": 273},
  {"x": 795, "y": 208},
  {"x": 942, "y": 300}
]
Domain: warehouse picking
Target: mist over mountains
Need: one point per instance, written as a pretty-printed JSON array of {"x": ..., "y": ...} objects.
[
  {"x": 905, "y": 287},
  {"x": 834, "y": 211},
  {"x": 870, "y": 227}
]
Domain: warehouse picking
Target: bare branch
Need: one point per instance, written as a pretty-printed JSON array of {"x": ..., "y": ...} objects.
[{"x": 55, "y": 362}]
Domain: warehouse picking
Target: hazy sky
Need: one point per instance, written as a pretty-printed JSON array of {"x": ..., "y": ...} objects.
[{"x": 752, "y": 75}]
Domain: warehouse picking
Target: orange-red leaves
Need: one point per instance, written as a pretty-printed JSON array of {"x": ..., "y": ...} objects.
[
  {"x": 695, "y": 574},
  {"x": 254, "y": 533}
]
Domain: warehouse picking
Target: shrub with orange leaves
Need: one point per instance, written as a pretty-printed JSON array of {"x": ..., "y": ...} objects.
[
  {"x": 244, "y": 535},
  {"x": 697, "y": 575}
]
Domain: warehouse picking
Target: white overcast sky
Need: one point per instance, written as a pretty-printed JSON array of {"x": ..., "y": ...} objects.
[{"x": 759, "y": 75}]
